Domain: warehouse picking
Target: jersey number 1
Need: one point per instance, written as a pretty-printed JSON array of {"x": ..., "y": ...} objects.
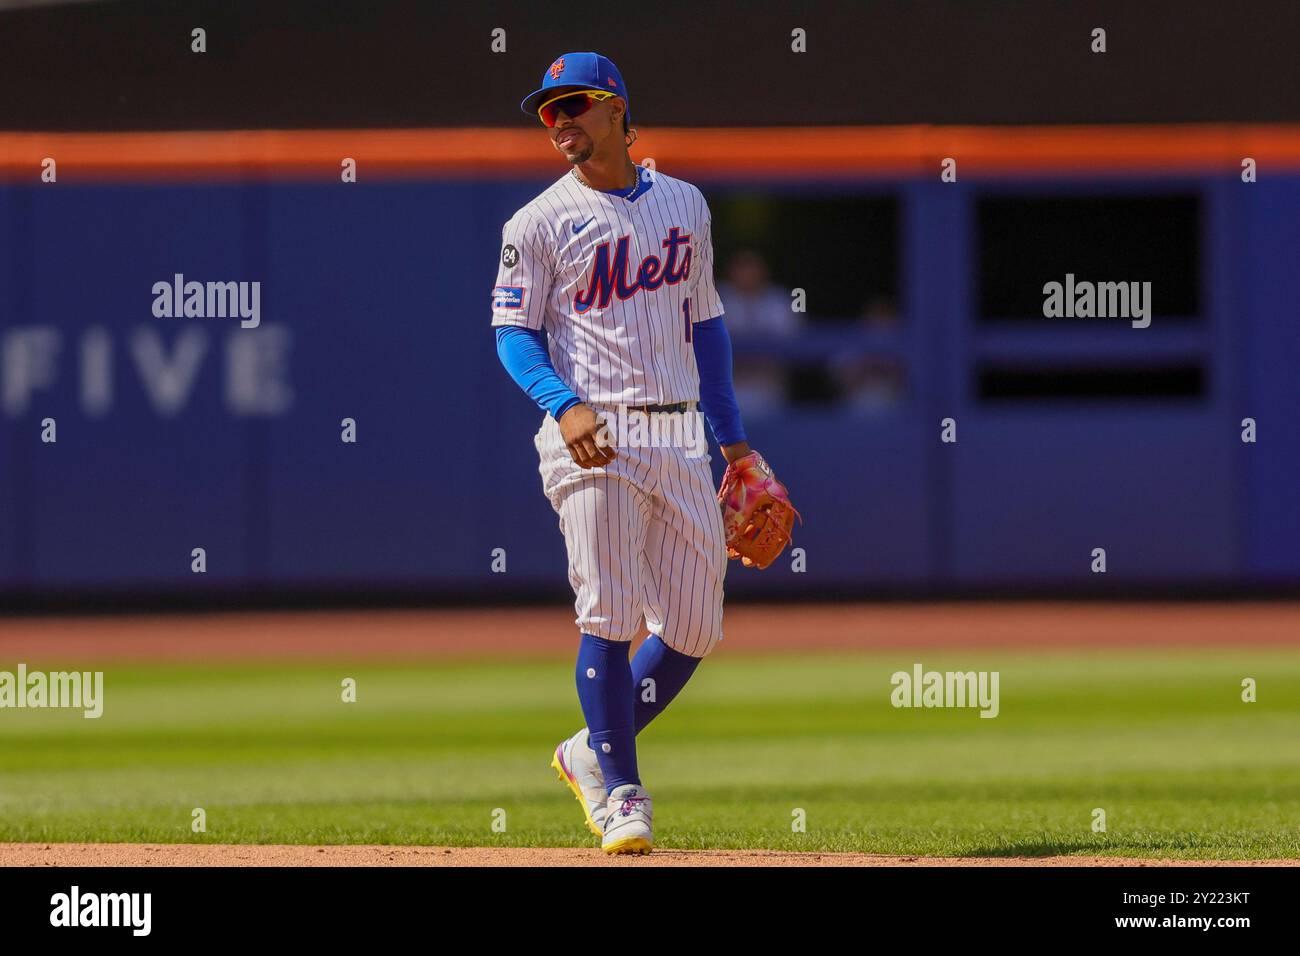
[{"x": 686, "y": 312}]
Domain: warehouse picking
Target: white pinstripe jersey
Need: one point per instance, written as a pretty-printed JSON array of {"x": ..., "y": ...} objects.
[{"x": 616, "y": 283}]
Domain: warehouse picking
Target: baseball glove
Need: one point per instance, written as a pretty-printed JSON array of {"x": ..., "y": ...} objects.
[{"x": 757, "y": 515}]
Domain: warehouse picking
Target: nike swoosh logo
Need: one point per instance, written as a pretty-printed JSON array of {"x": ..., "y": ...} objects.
[{"x": 577, "y": 229}]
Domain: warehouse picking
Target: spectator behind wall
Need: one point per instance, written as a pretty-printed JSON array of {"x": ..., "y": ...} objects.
[
  {"x": 758, "y": 311},
  {"x": 872, "y": 383}
]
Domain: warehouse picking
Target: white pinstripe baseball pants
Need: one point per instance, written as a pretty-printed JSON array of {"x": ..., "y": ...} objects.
[{"x": 645, "y": 542}]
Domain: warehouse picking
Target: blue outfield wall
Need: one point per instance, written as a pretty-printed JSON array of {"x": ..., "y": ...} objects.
[{"x": 183, "y": 433}]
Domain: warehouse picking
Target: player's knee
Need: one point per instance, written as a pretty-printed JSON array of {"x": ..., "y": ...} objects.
[
  {"x": 706, "y": 644},
  {"x": 609, "y": 628},
  {"x": 697, "y": 643},
  {"x": 624, "y": 632}
]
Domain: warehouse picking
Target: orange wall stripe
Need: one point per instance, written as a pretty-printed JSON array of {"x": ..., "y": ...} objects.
[{"x": 814, "y": 152}]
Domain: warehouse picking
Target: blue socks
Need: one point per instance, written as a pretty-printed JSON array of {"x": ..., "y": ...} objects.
[
  {"x": 604, "y": 679},
  {"x": 617, "y": 703},
  {"x": 669, "y": 669}
]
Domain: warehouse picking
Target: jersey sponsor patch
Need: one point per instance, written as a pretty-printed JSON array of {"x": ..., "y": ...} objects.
[{"x": 508, "y": 297}]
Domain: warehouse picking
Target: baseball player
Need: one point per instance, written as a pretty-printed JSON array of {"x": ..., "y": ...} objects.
[{"x": 613, "y": 264}]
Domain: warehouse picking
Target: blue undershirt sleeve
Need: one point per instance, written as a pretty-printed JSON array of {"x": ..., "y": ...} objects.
[
  {"x": 717, "y": 394},
  {"x": 523, "y": 353}
]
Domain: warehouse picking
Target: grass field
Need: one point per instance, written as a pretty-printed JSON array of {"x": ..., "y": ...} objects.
[{"x": 1160, "y": 740}]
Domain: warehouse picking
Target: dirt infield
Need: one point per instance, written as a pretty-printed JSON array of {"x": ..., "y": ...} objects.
[
  {"x": 210, "y": 854},
  {"x": 383, "y": 635}
]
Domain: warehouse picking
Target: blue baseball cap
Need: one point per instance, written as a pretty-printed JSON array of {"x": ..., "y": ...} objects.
[{"x": 578, "y": 71}]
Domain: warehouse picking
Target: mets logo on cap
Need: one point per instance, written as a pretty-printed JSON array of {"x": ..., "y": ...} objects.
[{"x": 557, "y": 68}]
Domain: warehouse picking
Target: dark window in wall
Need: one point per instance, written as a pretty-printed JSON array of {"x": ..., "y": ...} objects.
[
  {"x": 1025, "y": 242},
  {"x": 842, "y": 251},
  {"x": 1122, "y": 385}
]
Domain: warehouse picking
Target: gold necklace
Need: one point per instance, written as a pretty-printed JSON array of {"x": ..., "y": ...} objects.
[{"x": 636, "y": 179}]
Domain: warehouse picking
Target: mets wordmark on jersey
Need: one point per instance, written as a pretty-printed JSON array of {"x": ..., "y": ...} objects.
[{"x": 617, "y": 284}]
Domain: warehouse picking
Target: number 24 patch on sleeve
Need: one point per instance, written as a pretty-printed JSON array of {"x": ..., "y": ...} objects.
[{"x": 508, "y": 297}]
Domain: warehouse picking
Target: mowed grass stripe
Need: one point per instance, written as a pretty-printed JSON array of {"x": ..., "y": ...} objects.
[{"x": 1162, "y": 742}]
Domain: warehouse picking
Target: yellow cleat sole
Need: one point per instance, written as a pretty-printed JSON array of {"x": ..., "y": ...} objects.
[
  {"x": 577, "y": 792},
  {"x": 632, "y": 845}
]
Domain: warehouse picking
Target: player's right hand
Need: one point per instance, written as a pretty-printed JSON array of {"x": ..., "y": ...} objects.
[{"x": 586, "y": 437}]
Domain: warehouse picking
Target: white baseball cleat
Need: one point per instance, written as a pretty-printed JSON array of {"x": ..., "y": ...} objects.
[
  {"x": 577, "y": 766},
  {"x": 628, "y": 821}
]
